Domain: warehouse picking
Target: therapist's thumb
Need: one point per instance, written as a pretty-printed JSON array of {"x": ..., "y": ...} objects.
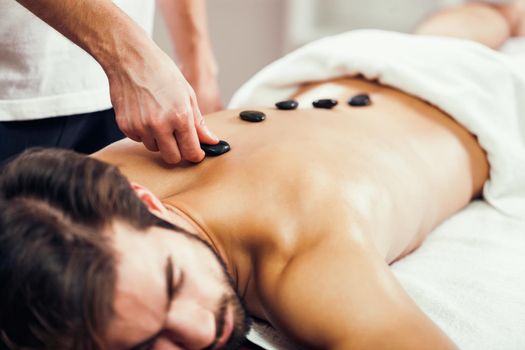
[{"x": 205, "y": 135}]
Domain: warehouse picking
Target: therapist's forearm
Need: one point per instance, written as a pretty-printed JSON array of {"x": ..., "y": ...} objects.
[
  {"x": 97, "y": 26},
  {"x": 153, "y": 102},
  {"x": 187, "y": 23},
  {"x": 483, "y": 23}
]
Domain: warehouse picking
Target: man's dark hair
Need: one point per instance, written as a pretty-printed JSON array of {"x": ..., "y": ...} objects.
[{"x": 57, "y": 265}]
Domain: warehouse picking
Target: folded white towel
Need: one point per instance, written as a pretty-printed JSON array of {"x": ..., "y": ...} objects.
[
  {"x": 482, "y": 89},
  {"x": 469, "y": 276}
]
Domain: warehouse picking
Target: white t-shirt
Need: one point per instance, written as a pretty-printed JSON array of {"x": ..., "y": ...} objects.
[{"x": 43, "y": 74}]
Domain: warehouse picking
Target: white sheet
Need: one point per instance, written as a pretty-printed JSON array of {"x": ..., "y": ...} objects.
[
  {"x": 514, "y": 46},
  {"x": 469, "y": 276}
]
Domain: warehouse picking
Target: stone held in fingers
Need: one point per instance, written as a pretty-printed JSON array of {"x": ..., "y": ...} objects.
[
  {"x": 287, "y": 105},
  {"x": 252, "y": 116},
  {"x": 360, "y": 100},
  {"x": 215, "y": 150},
  {"x": 325, "y": 103}
]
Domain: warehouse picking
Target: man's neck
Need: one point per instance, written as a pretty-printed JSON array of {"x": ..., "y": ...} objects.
[{"x": 180, "y": 216}]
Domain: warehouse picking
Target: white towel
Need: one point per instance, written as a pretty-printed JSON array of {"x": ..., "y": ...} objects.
[
  {"x": 482, "y": 89},
  {"x": 469, "y": 275}
]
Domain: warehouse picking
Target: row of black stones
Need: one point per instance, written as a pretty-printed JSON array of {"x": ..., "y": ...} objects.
[
  {"x": 257, "y": 117},
  {"x": 360, "y": 100}
]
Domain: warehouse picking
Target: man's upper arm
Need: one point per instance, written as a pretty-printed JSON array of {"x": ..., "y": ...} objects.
[{"x": 341, "y": 295}]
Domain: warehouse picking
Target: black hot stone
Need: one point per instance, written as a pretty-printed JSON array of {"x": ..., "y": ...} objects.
[
  {"x": 326, "y": 103},
  {"x": 252, "y": 116},
  {"x": 287, "y": 105},
  {"x": 360, "y": 100},
  {"x": 215, "y": 150}
]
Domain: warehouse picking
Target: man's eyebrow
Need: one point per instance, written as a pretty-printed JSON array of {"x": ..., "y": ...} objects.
[{"x": 168, "y": 271}]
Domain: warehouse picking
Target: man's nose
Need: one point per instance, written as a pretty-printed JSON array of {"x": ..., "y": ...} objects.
[{"x": 191, "y": 326}]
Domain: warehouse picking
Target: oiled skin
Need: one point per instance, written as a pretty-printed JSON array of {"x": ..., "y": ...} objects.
[{"x": 310, "y": 206}]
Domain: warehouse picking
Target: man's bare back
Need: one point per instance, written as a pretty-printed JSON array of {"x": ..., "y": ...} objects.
[{"x": 347, "y": 190}]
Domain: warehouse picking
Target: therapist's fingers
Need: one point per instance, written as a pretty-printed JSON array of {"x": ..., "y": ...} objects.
[
  {"x": 134, "y": 137},
  {"x": 138, "y": 133},
  {"x": 169, "y": 150},
  {"x": 124, "y": 125},
  {"x": 188, "y": 142},
  {"x": 149, "y": 141}
]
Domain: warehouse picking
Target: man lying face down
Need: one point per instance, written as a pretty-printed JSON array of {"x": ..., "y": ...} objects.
[
  {"x": 296, "y": 225},
  {"x": 306, "y": 225}
]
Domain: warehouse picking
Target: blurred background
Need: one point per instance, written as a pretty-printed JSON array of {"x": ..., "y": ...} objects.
[{"x": 249, "y": 34}]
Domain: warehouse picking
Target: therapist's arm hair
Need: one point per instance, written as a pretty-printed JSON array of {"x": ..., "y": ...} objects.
[
  {"x": 487, "y": 24},
  {"x": 153, "y": 102},
  {"x": 187, "y": 24}
]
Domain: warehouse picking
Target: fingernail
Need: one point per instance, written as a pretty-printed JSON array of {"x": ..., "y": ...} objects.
[{"x": 210, "y": 134}]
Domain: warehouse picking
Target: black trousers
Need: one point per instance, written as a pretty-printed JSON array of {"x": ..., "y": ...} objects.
[{"x": 84, "y": 133}]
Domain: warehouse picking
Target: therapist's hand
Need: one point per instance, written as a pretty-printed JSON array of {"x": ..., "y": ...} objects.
[
  {"x": 153, "y": 102},
  {"x": 155, "y": 105}
]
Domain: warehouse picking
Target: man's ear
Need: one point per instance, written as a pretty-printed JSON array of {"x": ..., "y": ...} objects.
[{"x": 152, "y": 202}]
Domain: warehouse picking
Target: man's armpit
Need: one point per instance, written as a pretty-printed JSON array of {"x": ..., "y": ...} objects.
[{"x": 342, "y": 295}]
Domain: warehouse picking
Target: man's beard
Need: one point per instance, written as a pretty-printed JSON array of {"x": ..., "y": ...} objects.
[
  {"x": 241, "y": 320},
  {"x": 241, "y": 323}
]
